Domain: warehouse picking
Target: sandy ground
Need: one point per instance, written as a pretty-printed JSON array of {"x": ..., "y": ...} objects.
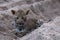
[{"x": 45, "y": 10}]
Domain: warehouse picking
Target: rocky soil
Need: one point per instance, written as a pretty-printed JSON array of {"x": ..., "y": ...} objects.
[{"x": 47, "y": 11}]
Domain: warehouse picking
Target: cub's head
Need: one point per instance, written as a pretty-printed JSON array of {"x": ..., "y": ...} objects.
[
  {"x": 23, "y": 23},
  {"x": 21, "y": 17}
]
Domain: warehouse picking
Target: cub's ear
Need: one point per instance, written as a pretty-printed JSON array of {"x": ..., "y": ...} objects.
[
  {"x": 27, "y": 12},
  {"x": 13, "y": 12}
]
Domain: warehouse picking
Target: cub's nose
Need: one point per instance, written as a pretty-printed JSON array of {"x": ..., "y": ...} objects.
[{"x": 21, "y": 23}]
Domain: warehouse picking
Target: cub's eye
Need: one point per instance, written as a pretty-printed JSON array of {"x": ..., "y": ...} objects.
[
  {"x": 24, "y": 18},
  {"x": 17, "y": 18}
]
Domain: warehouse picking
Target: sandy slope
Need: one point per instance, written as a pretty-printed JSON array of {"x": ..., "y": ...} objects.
[{"x": 45, "y": 10}]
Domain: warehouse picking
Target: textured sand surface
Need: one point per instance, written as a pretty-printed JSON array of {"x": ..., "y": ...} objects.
[{"x": 44, "y": 10}]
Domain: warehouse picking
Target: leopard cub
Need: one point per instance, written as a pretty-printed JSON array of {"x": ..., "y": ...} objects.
[{"x": 23, "y": 23}]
